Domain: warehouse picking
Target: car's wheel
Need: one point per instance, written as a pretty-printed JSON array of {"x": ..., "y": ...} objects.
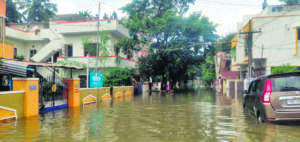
[{"x": 260, "y": 118}]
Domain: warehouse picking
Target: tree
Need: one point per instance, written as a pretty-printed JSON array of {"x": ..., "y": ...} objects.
[
  {"x": 224, "y": 44},
  {"x": 175, "y": 52},
  {"x": 37, "y": 10},
  {"x": 88, "y": 46},
  {"x": 265, "y": 4},
  {"x": 86, "y": 14},
  {"x": 284, "y": 69},
  {"x": 208, "y": 73},
  {"x": 12, "y": 14},
  {"x": 290, "y": 2},
  {"x": 117, "y": 77},
  {"x": 91, "y": 47},
  {"x": 128, "y": 45}
]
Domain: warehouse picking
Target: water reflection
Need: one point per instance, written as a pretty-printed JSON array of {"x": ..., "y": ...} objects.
[{"x": 194, "y": 116}]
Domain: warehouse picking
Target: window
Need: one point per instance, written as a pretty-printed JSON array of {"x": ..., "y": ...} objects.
[
  {"x": 32, "y": 53},
  {"x": 252, "y": 88},
  {"x": 298, "y": 32},
  {"x": 82, "y": 81},
  {"x": 85, "y": 52},
  {"x": 258, "y": 86},
  {"x": 92, "y": 49},
  {"x": 234, "y": 53},
  {"x": 70, "y": 51},
  {"x": 286, "y": 83},
  {"x": 55, "y": 56},
  {"x": 15, "y": 51}
]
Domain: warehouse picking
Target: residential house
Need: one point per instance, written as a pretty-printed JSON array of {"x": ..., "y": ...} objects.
[
  {"x": 60, "y": 41},
  {"x": 275, "y": 41}
]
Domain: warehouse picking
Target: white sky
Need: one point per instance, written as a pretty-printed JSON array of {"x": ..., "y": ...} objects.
[{"x": 224, "y": 13}]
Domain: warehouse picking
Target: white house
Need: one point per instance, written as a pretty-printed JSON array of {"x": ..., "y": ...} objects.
[
  {"x": 276, "y": 42},
  {"x": 60, "y": 40}
]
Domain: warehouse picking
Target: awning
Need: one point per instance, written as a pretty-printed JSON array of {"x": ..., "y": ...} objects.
[
  {"x": 20, "y": 68},
  {"x": 15, "y": 68}
]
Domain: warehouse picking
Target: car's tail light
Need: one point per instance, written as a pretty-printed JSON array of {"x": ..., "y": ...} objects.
[{"x": 265, "y": 98}]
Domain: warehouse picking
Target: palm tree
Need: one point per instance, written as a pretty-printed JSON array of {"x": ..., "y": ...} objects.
[
  {"x": 36, "y": 10},
  {"x": 12, "y": 14}
]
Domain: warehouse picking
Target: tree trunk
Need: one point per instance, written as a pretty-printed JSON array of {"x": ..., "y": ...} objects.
[{"x": 164, "y": 83}]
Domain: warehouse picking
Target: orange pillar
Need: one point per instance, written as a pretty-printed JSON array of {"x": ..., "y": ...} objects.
[
  {"x": 2, "y": 8},
  {"x": 31, "y": 96},
  {"x": 74, "y": 92}
]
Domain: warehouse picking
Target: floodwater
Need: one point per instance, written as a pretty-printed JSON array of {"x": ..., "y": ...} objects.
[{"x": 195, "y": 116}]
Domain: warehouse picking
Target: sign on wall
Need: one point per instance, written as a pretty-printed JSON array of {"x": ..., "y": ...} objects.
[{"x": 96, "y": 80}]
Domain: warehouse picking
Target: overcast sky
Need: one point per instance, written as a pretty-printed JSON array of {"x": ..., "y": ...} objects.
[{"x": 224, "y": 13}]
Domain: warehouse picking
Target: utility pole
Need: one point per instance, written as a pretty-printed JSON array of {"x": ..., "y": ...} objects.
[
  {"x": 249, "y": 42},
  {"x": 249, "y": 38},
  {"x": 98, "y": 30}
]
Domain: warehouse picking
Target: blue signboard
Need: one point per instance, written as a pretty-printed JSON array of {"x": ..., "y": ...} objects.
[
  {"x": 96, "y": 80},
  {"x": 32, "y": 87}
]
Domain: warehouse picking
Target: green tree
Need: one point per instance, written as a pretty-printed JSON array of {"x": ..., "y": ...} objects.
[
  {"x": 224, "y": 44},
  {"x": 86, "y": 14},
  {"x": 290, "y": 2},
  {"x": 284, "y": 69},
  {"x": 103, "y": 50},
  {"x": 36, "y": 10},
  {"x": 208, "y": 73},
  {"x": 176, "y": 49},
  {"x": 117, "y": 77},
  {"x": 91, "y": 47},
  {"x": 127, "y": 46},
  {"x": 12, "y": 14}
]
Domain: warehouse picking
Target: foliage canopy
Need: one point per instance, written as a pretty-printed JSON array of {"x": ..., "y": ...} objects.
[
  {"x": 177, "y": 43},
  {"x": 117, "y": 77},
  {"x": 284, "y": 69},
  {"x": 290, "y": 2},
  {"x": 12, "y": 14},
  {"x": 36, "y": 10}
]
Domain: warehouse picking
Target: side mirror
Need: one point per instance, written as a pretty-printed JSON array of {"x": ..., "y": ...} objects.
[{"x": 245, "y": 92}]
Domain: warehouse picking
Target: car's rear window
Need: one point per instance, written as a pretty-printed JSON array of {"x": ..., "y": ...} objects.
[{"x": 289, "y": 83}]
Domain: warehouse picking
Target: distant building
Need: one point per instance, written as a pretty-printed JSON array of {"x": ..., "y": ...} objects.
[
  {"x": 277, "y": 43},
  {"x": 223, "y": 67}
]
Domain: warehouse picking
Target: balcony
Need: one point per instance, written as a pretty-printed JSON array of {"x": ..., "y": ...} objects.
[
  {"x": 23, "y": 35},
  {"x": 79, "y": 27},
  {"x": 110, "y": 62}
]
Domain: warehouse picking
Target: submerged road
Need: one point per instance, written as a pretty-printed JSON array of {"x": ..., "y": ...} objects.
[{"x": 194, "y": 116}]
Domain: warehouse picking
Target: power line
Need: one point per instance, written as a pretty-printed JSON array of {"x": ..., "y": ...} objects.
[{"x": 230, "y": 3}]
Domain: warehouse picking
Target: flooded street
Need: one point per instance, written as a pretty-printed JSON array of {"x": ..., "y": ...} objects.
[{"x": 195, "y": 116}]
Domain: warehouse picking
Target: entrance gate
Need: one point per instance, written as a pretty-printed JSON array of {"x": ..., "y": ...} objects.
[{"x": 49, "y": 100}]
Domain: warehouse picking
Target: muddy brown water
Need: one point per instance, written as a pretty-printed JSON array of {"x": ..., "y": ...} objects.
[{"x": 193, "y": 116}]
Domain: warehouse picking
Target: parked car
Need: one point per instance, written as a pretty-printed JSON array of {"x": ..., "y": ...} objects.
[{"x": 274, "y": 98}]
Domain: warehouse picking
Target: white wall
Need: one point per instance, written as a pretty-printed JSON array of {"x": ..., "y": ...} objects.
[
  {"x": 23, "y": 48},
  {"x": 278, "y": 39},
  {"x": 76, "y": 42}
]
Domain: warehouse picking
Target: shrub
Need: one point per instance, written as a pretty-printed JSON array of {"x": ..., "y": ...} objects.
[
  {"x": 284, "y": 69},
  {"x": 117, "y": 77}
]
